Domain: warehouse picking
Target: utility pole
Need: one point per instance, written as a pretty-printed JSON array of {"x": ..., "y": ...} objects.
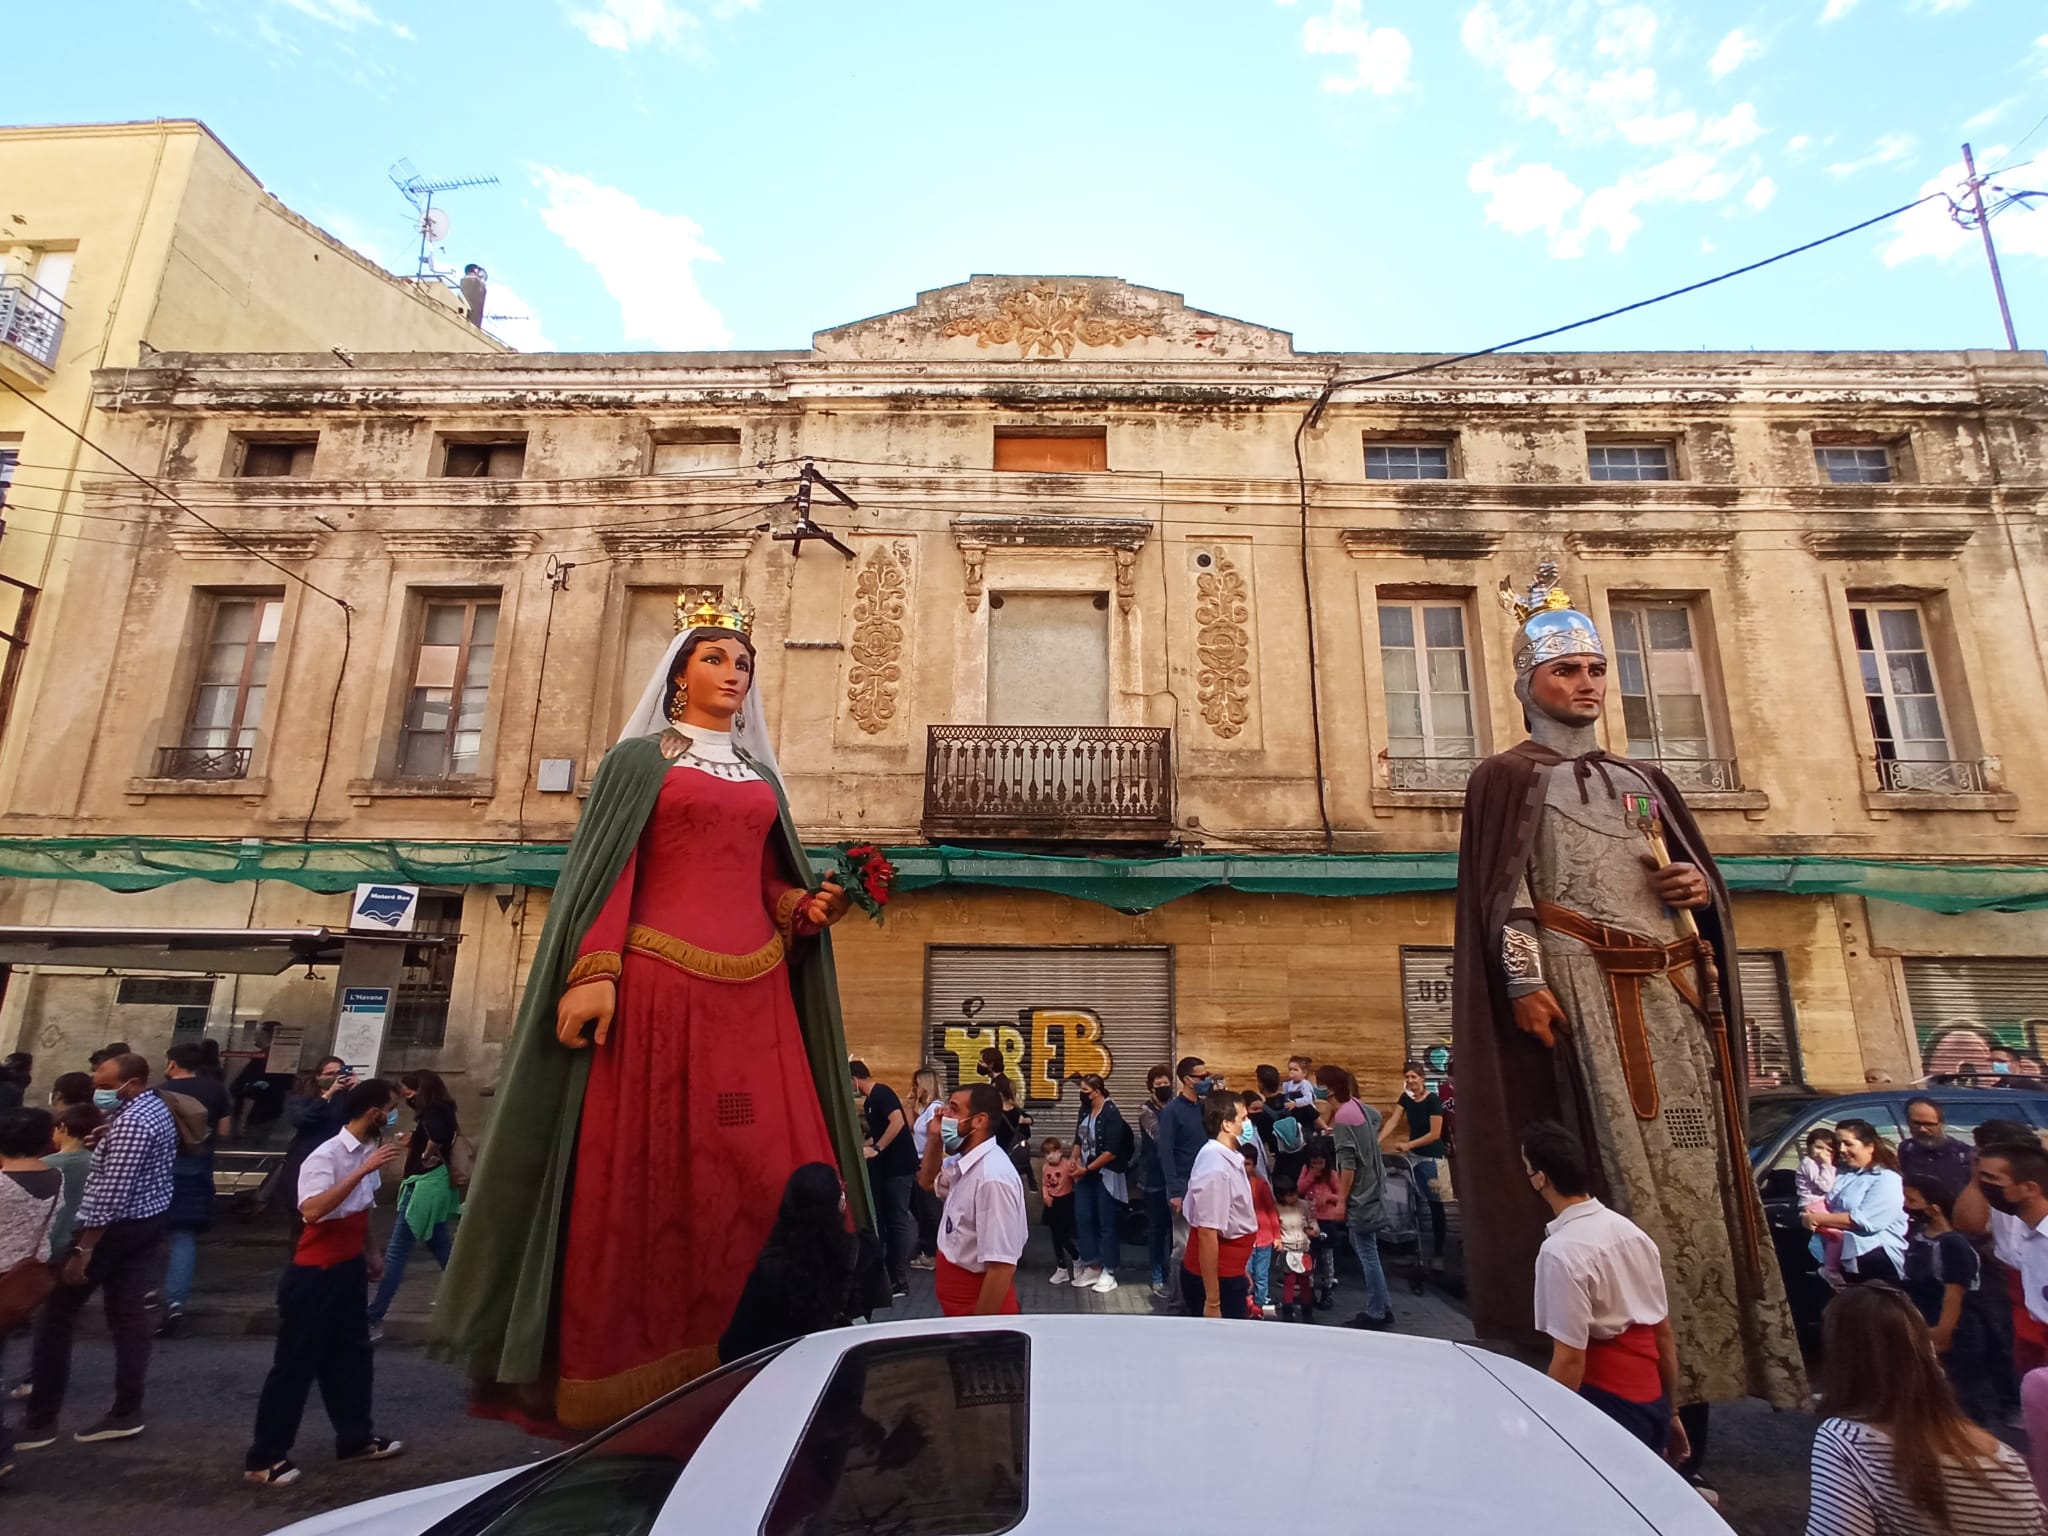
[{"x": 1990, "y": 250}]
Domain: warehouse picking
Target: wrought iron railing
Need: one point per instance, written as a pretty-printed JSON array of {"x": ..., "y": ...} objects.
[
  {"x": 202, "y": 762},
  {"x": 1964, "y": 776},
  {"x": 1414, "y": 773},
  {"x": 31, "y": 318},
  {"x": 1701, "y": 775},
  {"x": 1097, "y": 780}
]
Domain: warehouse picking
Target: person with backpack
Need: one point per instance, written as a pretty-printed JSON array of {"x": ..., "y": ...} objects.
[
  {"x": 1101, "y": 1185},
  {"x": 1280, "y": 1122}
]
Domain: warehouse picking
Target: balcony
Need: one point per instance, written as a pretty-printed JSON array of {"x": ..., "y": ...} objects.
[
  {"x": 1048, "y": 782},
  {"x": 202, "y": 762},
  {"x": 31, "y": 327},
  {"x": 1902, "y": 776},
  {"x": 1412, "y": 775},
  {"x": 1698, "y": 775}
]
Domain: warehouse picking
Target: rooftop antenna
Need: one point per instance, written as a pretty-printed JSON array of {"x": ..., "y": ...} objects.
[{"x": 433, "y": 222}]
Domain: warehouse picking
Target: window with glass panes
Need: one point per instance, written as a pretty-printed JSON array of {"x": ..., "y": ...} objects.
[
  {"x": 1662, "y": 685},
  {"x": 1898, "y": 682},
  {"x": 9, "y": 459},
  {"x": 234, "y": 673},
  {"x": 451, "y": 684},
  {"x": 1428, "y": 684},
  {"x": 1855, "y": 466},
  {"x": 1629, "y": 461},
  {"x": 1407, "y": 461}
]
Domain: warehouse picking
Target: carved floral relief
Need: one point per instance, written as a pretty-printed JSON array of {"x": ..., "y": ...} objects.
[
  {"x": 1223, "y": 678},
  {"x": 881, "y": 593},
  {"x": 1050, "y": 321}
]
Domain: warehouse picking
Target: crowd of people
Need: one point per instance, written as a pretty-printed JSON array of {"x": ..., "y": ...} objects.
[{"x": 107, "y": 1184}]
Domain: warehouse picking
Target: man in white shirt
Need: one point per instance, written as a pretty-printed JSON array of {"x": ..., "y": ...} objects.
[
  {"x": 323, "y": 1322},
  {"x": 1600, "y": 1296},
  {"x": 2009, "y": 1199},
  {"x": 1222, "y": 1221},
  {"x": 982, "y": 1228}
]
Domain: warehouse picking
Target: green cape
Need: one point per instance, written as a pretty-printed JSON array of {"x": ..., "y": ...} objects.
[{"x": 497, "y": 1306}]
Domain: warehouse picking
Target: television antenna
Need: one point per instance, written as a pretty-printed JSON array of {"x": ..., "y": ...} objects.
[{"x": 432, "y": 224}]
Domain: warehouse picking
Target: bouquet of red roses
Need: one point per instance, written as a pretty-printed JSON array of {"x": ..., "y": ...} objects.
[{"x": 865, "y": 875}]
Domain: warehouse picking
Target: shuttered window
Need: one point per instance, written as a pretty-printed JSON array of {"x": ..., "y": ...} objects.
[
  {"x": 1051, "y": 1012},
  {"x": 1962, "y": 1008},
  {"x": 1077, "y": 452},
  {"x": 1426, "y": 1006}
]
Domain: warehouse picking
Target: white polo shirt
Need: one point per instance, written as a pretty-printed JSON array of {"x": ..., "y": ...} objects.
[
  {"x": 331, "y": 1162},
  {"x": 984, "y": 1220},
  {"x": 1598, "y": 1274},
  {"x": 1219, "y": 1192},
  {"x": 2025, "y": 1249}
]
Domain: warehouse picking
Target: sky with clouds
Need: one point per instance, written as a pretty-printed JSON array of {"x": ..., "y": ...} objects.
[{"x": 1374, "y": 175}]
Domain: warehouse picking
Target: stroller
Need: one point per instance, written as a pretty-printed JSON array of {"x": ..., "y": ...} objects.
[{"x": 1404, "y": 1204}]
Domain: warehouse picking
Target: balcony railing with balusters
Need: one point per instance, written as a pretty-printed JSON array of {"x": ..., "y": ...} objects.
[
  {"x": 31, "y": 318},
  {"x": 1963, "y": 776},
  {"x": 1112, "y": 783},
  {"x": 202, "y": 762},
  {"x": 1429, "y": 773},
  {"x": 1698, "y": 775}
]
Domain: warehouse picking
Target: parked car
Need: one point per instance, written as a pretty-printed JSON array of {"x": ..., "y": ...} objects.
[
  {"x": 963, "y": 1426},
  {"x": 1779, "y": 1120}
]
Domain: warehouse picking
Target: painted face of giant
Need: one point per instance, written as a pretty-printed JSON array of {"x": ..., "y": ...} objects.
[
  {"x": 713, "y": 681},
  {"x": 1571, "y": 690}
]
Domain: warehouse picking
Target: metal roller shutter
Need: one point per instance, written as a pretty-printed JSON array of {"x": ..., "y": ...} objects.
[
  {"x": 1051, "y": 1012},
  {"x": 1961, "y": 1008},
  {"x": 1773, "y": 1046}
]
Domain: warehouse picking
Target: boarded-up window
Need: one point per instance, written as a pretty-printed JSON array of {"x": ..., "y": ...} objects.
[
  {"x": 1077, "y": 451},
  {"x": 276, "y": 457},
  {"x": 504, "y": 459},
  {"x": 688, "y": 450}
]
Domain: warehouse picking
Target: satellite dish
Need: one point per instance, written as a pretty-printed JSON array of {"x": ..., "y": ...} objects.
[{"x": 434, "y": 225}]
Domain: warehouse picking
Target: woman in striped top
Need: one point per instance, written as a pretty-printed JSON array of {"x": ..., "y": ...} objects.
[{"x": 1898, "y": 1458}]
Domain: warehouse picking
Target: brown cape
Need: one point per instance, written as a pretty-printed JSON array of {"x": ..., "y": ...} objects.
[{"x": 1505, "y": 1079}]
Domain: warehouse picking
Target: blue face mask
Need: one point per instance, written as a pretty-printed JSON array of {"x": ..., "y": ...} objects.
[
  {"x": 2001, "y": 1068},
  {"x": 1203, "y": 1085},
  {"x": 391, "y": 1118},
  {"x": 949, "y": 1135},
  {"x": 106, "y": 1098},
  {"x": 1248, "y": 1136}
]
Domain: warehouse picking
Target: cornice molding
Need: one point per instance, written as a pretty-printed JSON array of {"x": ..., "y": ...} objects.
[
  {"x": 247, "y": 543},
  {"x": 1637, "y": 543},
  {"x": 458, "y": 543},
  {"x": 1422, "y": 543},
  {"x": 1887, "y": 543},
  {"x": 677, "y": 543},
  {"x": 1107, "y": 533}
]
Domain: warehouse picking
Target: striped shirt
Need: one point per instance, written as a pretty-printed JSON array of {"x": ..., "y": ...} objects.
[
  {"x": 131, "y": 1167},
  {"x": 1854, "y": 1493}
]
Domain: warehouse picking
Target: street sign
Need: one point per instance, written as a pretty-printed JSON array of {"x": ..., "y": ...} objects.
[
  {"x": 359, "y": 1031},
  {"x": 381, "y": 908}
]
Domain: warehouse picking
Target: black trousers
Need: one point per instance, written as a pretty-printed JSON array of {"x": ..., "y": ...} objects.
[
  {"x": 899, "y": 1227},
  {"x": 925, "y": 1206},
  {"x": 125, "y": 1267},
  {"x": 1059, "y": 1216},
  {"x": 323, "y": 1335},
  {"x": 1233, "y": 1290}
]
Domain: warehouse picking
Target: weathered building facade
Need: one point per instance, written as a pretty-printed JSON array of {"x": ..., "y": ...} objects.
[{"x": 1167, "y": 737}]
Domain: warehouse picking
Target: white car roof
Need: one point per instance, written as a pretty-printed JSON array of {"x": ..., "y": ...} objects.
[{"x": 1198, "y": 1425}]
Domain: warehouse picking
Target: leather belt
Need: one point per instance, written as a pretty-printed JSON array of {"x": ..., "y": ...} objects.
[{"x": 1627, "y": 960}]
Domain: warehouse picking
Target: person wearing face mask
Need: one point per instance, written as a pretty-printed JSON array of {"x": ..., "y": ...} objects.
[
  {"x": 1222, "y": 1222},
  {"x": 323, "y": 1324},
  {"x": 120, "y": 1246},
  {"x": 1181, "y": 1137},
  {"x": 314, "y": 1113},
  {"x": 1101, "y": 1187},
  {"x": 2008, "y": 1199},
  {"x": 982, "y": 1227},
  {"x": 1152, "y": 1177}
]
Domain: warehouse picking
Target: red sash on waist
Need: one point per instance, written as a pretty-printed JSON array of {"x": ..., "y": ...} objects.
[
  {"x": 960, "y": 1289},
  {"x": 1626, "y": 1364},
  {"x": 324, "y": 1244},
  {"x": 1233, "y": 1254}
]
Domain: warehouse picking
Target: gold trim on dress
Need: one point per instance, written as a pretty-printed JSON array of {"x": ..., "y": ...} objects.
[
  {"x": 785, "y": 912},
  {"x": 584, "y": 1403},
  {"x": 601, "y": 962},
  {"x": 706, "y": 964}
]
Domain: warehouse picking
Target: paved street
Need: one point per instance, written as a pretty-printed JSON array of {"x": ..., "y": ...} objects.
[{"x": 181, "y": 1477}]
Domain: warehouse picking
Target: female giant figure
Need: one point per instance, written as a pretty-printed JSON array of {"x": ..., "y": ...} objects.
[{"x": 678, "y": 1054}]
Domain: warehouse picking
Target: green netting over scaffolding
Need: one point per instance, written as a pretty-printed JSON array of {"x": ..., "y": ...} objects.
[{"x": 1128, "y": 885}]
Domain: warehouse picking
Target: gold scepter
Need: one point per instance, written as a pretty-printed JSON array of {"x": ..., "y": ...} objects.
[{"x": 1644, "y": 807}]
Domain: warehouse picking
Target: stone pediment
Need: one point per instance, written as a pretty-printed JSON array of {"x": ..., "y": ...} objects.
[{"x": 1051, "y": 319}]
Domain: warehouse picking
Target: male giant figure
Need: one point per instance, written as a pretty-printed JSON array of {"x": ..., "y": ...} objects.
[{"x": 1598, "y": 989}]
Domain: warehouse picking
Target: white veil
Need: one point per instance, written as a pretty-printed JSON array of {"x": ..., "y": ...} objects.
[{"x": 650, "y": 715}]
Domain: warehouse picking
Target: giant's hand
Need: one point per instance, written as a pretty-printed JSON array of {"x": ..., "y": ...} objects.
[
  {"x": 1679, "y": 885},
  {"x": 586, "y": 1004},
  {"x": 1539, "y": 1014},
  {"x": 829, "y": 904}
]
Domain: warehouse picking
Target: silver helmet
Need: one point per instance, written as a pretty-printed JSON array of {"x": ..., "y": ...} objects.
[{"x": 1550, "y": 626}]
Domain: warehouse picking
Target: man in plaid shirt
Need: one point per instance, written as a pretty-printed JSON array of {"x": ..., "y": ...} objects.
[{"x": 120, "y": 1243}]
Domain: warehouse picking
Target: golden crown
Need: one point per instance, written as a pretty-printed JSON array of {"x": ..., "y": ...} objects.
[
  {"x": 1544, "y": 595},
  {"x": 709, "y": 610}
]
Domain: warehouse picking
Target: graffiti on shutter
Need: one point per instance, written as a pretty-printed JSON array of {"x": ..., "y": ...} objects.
[
  {"x": 1426, "y": 1007},
  {"x": 1962, "y": 1008}
]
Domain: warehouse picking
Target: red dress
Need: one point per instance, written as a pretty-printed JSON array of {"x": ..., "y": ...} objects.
[{"x": 700, "y": 1103}]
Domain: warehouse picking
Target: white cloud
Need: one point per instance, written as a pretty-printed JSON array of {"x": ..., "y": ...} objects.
[
  {"x": 642, "y": 256},
  {"x": 1735, "y": 50},
  {"x": 1759, "y": 196},
  {"x": 1527, "y": 198},
  {"x": 1799, "y": 144},
  {"x": 1929, "y": 230},
  {"x": 347, "y": 15},
  {"x": 511, "y": 319},
  {"x": 1625, "y": 32},
  {"x": 1890, "y": 149},
  {"x": 1379, "y": 55},
  {"x": 622, "y": 25},
  {"x": 1990, "y": 115},
  {"x": 1837, "y": 9}
]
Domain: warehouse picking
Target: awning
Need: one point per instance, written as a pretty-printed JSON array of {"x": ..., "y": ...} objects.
[
  {"x": 221, "y": 951},
  {"x": 1128, "y": 885}
]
